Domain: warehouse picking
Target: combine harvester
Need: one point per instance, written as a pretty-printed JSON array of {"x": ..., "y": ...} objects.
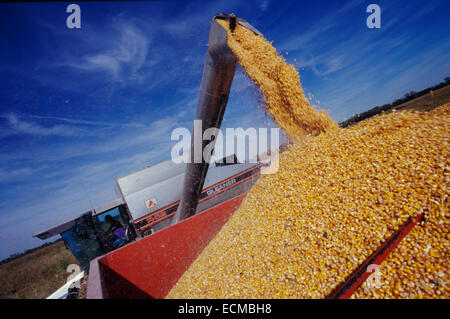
[
  {"x": 150, "y": 267},
  {"x": 154, "y": 204},
  {"x": 147, "y": 202}
]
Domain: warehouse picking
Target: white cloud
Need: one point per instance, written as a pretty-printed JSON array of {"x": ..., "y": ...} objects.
[
  {"x": 264, "y": 5},
  {"x": 123, "y": 138},
  {"x": 7, "y": 175},
  {"x": 85, "y": 122},
  {"x": 18, "y": 126},
  {"x": 127, "y": 53}
]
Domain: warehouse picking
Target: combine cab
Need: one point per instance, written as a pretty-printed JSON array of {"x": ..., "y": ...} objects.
[{"x": 87, "y": 237}]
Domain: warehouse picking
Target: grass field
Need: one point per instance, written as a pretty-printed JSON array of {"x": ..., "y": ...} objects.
[{"x": 37, "y": 274}]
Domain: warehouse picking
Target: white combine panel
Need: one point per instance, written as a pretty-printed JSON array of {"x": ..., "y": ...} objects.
[
  {"x": 153, "y": 194},
  {"x": 63, "y": 291}
]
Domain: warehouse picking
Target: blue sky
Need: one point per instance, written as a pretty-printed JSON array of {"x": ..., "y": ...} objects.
[{"x": 81, "y": 107}]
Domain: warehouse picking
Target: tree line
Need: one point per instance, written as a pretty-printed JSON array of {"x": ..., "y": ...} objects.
[{"x": 378, "y": 109}]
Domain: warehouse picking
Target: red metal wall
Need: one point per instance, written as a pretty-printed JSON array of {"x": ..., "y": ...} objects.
[{"x": 150, "y": 267}]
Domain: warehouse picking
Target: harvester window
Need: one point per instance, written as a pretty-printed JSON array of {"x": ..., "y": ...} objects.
[{"x": 111, "y": 228}]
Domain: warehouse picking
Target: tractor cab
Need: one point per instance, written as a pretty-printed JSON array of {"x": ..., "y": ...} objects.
[
  {"x": 95, "y": 232},
  {"x": 112, "y": 228}
]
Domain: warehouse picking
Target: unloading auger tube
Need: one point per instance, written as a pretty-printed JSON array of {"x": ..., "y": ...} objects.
[{"x": 218, "y": 72}]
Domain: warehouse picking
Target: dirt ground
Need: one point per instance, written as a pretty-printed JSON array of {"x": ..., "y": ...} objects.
[
  {"x": 428, "y": 101},
  {"x": 37, "y": 274}
]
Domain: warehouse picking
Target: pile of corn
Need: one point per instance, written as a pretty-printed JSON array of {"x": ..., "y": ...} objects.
[
  {"x": 336, "y": 197},
  {"x": 419, "y": 266}
]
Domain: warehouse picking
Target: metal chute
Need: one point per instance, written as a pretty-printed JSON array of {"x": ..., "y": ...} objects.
[{"x": 218, "y": 72}]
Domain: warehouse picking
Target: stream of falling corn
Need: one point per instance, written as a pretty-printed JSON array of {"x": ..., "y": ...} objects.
[
  {"x": 279, "y": 83},
  {"x": 335, "y": 198}
]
